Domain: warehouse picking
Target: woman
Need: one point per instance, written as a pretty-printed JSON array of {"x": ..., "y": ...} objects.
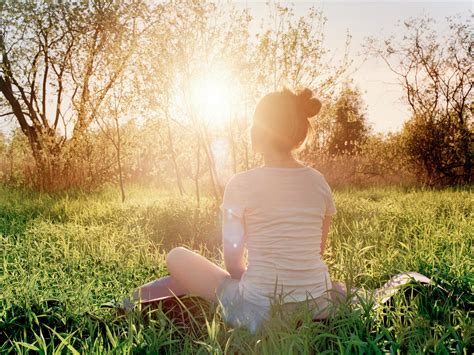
[{"x": 280, "y": 211}]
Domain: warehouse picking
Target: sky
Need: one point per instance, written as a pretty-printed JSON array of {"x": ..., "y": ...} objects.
[{"x": 382, "y": 94}]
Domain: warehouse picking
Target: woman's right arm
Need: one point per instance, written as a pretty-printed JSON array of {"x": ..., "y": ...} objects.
[
  {"x": 233, "y": 237},
  {"x": 233, "y": 227},
  {"x": 325, "y": 231}
]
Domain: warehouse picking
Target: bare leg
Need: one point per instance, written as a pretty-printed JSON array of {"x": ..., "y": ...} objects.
[
  {"x": 195, "y": 273},
  {"x": 191, "y": 273},
  {"x": 159, "y": 288}
]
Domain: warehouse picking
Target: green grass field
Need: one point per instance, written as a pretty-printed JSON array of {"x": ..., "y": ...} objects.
[{"x": 85, "y": 249}]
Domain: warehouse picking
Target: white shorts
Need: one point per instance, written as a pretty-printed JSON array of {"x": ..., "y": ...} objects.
[
  {"x": 236, "y": 310},
  {"x": 239, "y": 312}
]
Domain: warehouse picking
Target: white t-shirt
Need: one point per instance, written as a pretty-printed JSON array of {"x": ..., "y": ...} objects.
[{"x": 282, "y": 210}]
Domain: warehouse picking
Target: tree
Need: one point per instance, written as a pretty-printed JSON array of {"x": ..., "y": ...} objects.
[
  {"x": 109, "y": 121},
  {"x": 58, "y": 62},
  {"x": 290, "y": 52},
  {"x": 76, "y": 55},
  {"x": 436, "y": 74},
  {"x": 349, "y": 128},
  {"x": 383, "y": 158}
]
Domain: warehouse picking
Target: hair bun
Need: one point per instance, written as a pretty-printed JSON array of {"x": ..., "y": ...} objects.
[{"x": 309, "y": 105}]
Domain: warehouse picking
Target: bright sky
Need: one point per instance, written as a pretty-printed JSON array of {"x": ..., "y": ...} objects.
[{"x": 362, "y": 19}]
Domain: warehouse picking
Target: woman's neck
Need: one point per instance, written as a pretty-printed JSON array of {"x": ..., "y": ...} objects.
[{"x": 280, "y": 160}]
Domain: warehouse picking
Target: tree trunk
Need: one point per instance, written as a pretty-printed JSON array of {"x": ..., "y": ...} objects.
[
  {"x": 234, "y": 151},
  {"x": 11, "y": 158},
  {"x": 212, "y": 166},
  {"x": 245, "y": 142},
  {"x": 467, "y": 143},
  {"x": 119, "y": 158},
  {"x": 196, "y": 177},
  {"x": 173, "y": 155}
]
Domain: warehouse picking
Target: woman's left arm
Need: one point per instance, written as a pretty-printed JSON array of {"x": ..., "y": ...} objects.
[{"x": 233, "y": 237}]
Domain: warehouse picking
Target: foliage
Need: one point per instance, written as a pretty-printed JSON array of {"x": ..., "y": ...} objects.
[
  {"x": 350, "y": 128},
  {"x": 383, "y": 158},
  {"x": 17, "y": 165},
  {"x": 292, "y": 53},
  {"x": 437, "y": 147},
  {"x": 349, "y": 154},
  {"x": 154, "y": 56},
  {"x": 59, "y": 61},
  {"x": 66, "y": 254},
  {"x": 133, "y": 115},
  {"x": 436, "y": 74}
]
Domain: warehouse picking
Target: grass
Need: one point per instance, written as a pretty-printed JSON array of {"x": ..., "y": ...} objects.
[{"x": 64, "y": 255}]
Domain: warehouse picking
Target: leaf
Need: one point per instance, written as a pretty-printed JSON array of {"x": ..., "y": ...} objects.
[
  {"x": 26, "y": 345},
  {"x": 404, "y": 245},
  {"x": 364, "y": 249},
  {"x": 64, "y": 341},
  {"x": 110, "y": 336}
]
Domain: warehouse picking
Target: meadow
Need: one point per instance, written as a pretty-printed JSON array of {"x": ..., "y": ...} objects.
[{"x": 63, "y": 255}]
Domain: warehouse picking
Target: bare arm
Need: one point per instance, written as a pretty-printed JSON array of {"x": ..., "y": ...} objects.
[
  {"x": 233, "y": 237},
  {"x": 325, "y": 231}
]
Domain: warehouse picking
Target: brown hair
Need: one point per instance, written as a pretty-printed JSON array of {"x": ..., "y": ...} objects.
[{"x": 283, "y": 117}]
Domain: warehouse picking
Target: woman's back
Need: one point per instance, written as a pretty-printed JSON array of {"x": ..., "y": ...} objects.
[{"x": 283, "y": 210}]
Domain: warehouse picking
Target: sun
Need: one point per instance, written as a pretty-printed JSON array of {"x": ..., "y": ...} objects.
[{"x": 212, "y": 96}]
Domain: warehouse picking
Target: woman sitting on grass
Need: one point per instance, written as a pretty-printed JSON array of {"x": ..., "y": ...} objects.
[{"x": 281, "y": 212}]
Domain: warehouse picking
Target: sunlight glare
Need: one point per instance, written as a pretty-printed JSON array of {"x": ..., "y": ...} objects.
[{"x": 211, "y": 96}]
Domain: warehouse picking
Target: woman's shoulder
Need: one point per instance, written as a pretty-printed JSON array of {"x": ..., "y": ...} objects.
[
  {"x": 254, "y": 174},
  {"x": 241, "y": 178},
  {"x": 315, "y": 172},
  {"x": 244, "y": 176}
]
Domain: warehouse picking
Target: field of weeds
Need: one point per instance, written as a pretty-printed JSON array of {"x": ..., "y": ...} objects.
[{"x": 65, "y": 255}]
